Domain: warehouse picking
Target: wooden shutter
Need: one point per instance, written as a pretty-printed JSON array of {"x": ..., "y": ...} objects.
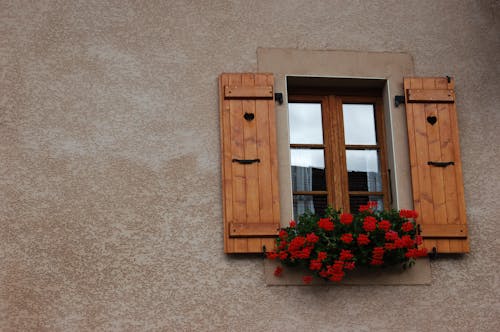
[
  {"x": 436, "y": 168},
  {"x": 249, "y": 162}
]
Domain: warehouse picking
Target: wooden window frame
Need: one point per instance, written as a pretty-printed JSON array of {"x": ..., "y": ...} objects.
[{"x": 337, "y": 189}]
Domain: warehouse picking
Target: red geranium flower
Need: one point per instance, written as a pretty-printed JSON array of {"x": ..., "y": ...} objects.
[
  {"x": 363, "y": 208},
  {"x": 297, "y": 243},
  {"x": 272, "y": 255},
  {"x": 349, "y": 265},
  {"x": 408, "y": 241},
  {"x": 407, "y": 226},
  {"x": 390, "y": 246},
  {"x": 321, "y": 256},
  {"x": 346, "y": 238},
  {"x": 369, "y": 224},
  {"x": 315, "y": 265},
  {"x": 346, "y": 218},
  {"x": 283, "y": 234},
  {"x": 345, "y": 255},
  {"x": 384, "y": 225},
  {"x": 312, "y": 238},
  {"x": 293, "y": 223},
  {"x": 326, "y": 224},
  {"x": 410, "y": 214},
  {"x": 391, "y": 236},
  {"x": 304, "y": 253},
  {"x": 363, "y": 239}
]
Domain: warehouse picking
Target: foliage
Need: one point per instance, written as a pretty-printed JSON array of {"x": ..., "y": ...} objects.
[{"x": 328, "y": 246}]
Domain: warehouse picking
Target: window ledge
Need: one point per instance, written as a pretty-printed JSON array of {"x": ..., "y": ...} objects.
[{"x": 419, "y": 274}]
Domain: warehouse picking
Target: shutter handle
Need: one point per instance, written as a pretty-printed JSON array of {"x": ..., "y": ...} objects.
[
  {"x": 246, "y": 161},
  {"x": 440, "y": 164}
]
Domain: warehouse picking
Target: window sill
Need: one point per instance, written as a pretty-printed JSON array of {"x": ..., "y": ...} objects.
[{"x": 419, "y": 274}]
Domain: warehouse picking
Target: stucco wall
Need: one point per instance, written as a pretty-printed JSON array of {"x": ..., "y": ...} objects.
[{"x": 110, "y": 201}]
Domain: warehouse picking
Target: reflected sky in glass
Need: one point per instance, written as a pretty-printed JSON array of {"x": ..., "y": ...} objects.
[
  {"x": 305, "y": 123},
  {"x": 362, "y": 160},
  {"x": 307, "y": 158},
  {"x": 359, "y": 124}
]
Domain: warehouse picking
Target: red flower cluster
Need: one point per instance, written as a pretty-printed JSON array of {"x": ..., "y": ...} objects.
[
  {"x": 326, "y": 224},
  {"x": 407, "y": 226},
  {"x": 330, "y": 246},
  {"x": 377, "y": 256},
  {"x": 346, "y": 255},
  {"x": 384, "y": 225},
  {"x": 363, "y": 239},
  {"x": 369, "y": 224},
  {"x": 409, "y": 214},
  {"x": 346, "y": 238},
  {"x": 346, "y": 218},
  {"x": 368, "y": 207},
  {"x": 415, "y": 253},
  {"x": 312, "y": 238}
]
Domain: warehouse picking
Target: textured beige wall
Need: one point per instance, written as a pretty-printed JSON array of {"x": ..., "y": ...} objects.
[{"x": 110, "y": 202}]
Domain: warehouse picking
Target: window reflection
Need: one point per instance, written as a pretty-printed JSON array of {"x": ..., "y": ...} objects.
[
  {"x": 359, "y": 124},
  {"x": 315, "y": 204},
  {"x": 305, "y": 123},
  {"x": 363, "y": 170}
]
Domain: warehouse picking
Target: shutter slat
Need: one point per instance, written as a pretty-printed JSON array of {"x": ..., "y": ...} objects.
[
  {"x": 253, "y": 230},
  {"x": 248, "y": 91},
  {"x": 430, "y": 96},
  {"x": 250, "y": 190},
  {"x": 444, "y": 230},
  {"x": 437, "y": 191}
]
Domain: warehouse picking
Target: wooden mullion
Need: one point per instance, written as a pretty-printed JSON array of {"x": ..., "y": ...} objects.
[
  {"x": 362, "y": 147},
  {"x": 307, "y": 146},
  {"x": 366, "y": 193},
  {"x": 327, "y": 140},
  {"x": 311, "y": 193},
  {"x": 380, "y": 132}
]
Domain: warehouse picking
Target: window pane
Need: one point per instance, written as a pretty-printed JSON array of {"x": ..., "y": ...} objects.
[
  {"x": 363, "y": 171},
  {"x": 305, "y": 123},
  {"x": 302, "y": 203},
  {"x": 356, "y": 201},
  {"x": 359, "y": 124},
  {"x": 308, "y": 170}
]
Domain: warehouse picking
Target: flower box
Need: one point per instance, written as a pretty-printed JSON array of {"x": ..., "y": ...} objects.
[{"x": 332, "y": 246}]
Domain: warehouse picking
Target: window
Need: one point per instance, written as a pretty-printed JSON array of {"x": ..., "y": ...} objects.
[{"x": 336, "y": 149}]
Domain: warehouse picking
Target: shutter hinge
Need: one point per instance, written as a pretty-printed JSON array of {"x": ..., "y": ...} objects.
[
  {"x": 398, "y": 100},
  {"x": 278, "y": 96}
]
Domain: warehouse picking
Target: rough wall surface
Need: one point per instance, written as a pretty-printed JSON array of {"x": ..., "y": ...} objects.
[{"x": 110, "y": 201}]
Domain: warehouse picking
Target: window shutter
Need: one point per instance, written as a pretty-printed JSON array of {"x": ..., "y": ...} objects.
[
  {"x": 436, "y": 168},
  {"x": 249, "y": 162}
]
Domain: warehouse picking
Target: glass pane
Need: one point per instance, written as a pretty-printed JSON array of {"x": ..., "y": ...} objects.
[
  {"x": 308, "y": 169},
  {"x": 305, "y": 123},
  {"x": 302, "y": 203},
  {"x": 356, "y": 201},
  {"x": 359, "y": 124},
  {"x": 363, "y": 170}
]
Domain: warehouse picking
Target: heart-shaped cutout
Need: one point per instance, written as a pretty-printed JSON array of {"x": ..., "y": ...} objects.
[
  {"x": 432, "y": 119},
  {"x": 249, "y": 116}
]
